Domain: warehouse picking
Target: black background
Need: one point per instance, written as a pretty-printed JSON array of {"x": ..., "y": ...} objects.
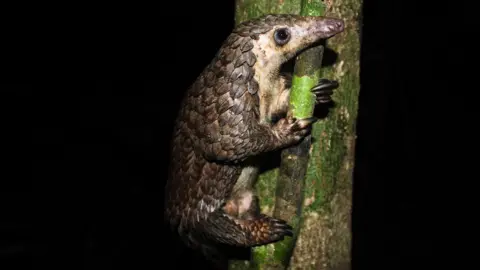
[{"x": 90, "y": 94}]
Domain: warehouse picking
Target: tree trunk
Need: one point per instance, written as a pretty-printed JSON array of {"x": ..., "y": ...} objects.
[{"x": 314, "y": 192}]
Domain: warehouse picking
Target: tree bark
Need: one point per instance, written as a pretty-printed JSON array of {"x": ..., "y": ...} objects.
[{"x": 314, "y": 192}]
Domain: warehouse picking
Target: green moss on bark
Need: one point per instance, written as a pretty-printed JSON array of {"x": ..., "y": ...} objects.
[
  {"x": 325, "y": 238},
  {"x": 322, "y": 229}
]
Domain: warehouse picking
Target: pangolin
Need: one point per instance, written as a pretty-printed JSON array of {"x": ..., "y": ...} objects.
[{"x": 233, "y": 112}]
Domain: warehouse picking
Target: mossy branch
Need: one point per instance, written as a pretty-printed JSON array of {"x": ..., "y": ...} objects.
[
  {"x": 315, "y": 175},
  {"x": 294, "y": 160}
]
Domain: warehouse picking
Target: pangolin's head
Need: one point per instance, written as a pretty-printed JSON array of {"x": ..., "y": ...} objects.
[{"x": 277, "y": 38}]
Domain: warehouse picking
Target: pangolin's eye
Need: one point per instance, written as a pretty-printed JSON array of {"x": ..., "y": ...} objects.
[{"x": 281, "y": 36}]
